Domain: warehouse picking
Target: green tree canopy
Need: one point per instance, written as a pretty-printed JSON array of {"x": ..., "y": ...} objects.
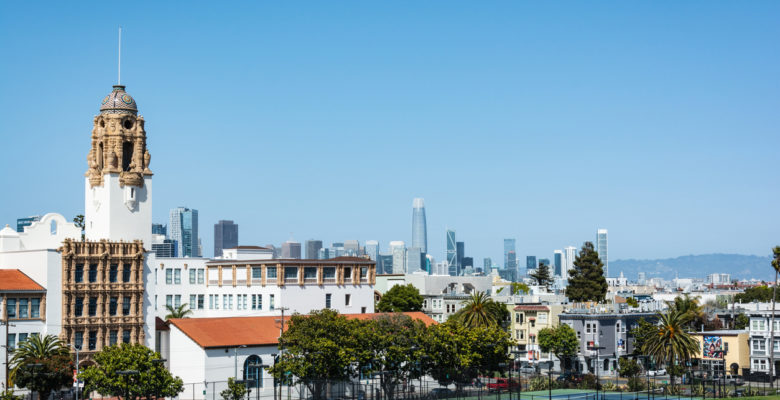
[
  {"x": 41, "y": 364},
  {"x": 560, "y": 340},
  {"x": 481, "y": 310},
  {"x": 182, "y": 311},
  {"x": 586, "y": 279},
  {"x": 741, "y": 321},
  {"x": 628, "y": 368},
  {"x": 234, "y": 391},
  {"x": 318, "y": 347},
  {"x": 542, "y": 275},
  {"x": 761, "y": 294},
  {"x": 519, "y": 287},
  {"x": 671, "y": 343},
  {"x": 401, "y": 298},
  {"x": 692, "y": 313},
  {"x": 456, "y": 353},
  {"x": 153, "y": 380},
  {"x": 640, "y": 334}
]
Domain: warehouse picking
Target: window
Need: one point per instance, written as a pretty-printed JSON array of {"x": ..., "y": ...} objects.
[
  {"x": 112, "y": 337},
  {"x": 201, "y": 301},
  {"x": 113, "y": 271},
  {"x": 759, "y": 365},
  {"x": 126, "y": 336},
  {"x": 177, "y": 300},
  {"x": 329, "y": 274},
  {"x": 11, "y": 307},
  {"x": 112, "y": 305},
  {"x": 23, "y": 308},
  {"x": 92, "y": 340},
  {"x": 11, "y": 341},
  {"x": 35, "y": 308},
  {"x": 425, "y": 304},
  {"x": 92, "y": 306},
  {"x": 169, "y": 300},
  {"x": 79, "y": 307},
  {"x": 193, "y": 302},
  {"x": 79, "y": 340},
  {"x": 257, "y": 272},
  {"x": 22, "y": 337},
  {"x": 257, "y": 301},
  {"x": 362, "y": 310},
  {"x": 270, "y": 302},
  {"x": 759, "y": 345},
  {"x": 347, "y": 300},
  {"x": 193, "y": 273},
  {"x": 327, "y": 300},
  {"x": 126, "y": 305},
  {"x": 93, "y": 272},
  {"x": 238, "y": 302},
  {"x": 270, "y": 273},
  {"x": 125, "y": 273},
  {"x": 177, "y": 276},
  {"x": 543, "y": 318},
  {"x": 201, "y": 272},
  {"x": 230, "y": 302},
  {"x": 310, "y": 274},
  {"x": 758, "y": 325},
  {"x": 290, "y": 274},
  {"x": 243, "y": 300},
  {"x": 347, "y": 274},
  {"x": 224, "y": 302},
  {"x": 776, "y": 325},
  {"x": 79, "y": 273}
]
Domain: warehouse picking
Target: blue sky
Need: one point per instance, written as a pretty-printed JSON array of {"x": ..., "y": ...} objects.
[{"x": 539, "y": 121}]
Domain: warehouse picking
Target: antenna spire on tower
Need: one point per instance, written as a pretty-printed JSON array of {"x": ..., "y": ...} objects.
[{"x": 119, "y": 63}]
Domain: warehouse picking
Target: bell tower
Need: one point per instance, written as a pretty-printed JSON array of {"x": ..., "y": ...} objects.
[{"x": 118, "y": 187}]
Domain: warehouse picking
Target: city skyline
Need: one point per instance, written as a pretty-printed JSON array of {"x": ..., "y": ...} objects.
[{"x": 683, "y": 137}]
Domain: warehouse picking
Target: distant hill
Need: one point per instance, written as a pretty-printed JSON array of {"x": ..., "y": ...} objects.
[{"x": 738, "y": 265}]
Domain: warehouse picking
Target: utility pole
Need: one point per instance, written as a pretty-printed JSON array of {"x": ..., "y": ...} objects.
[
  {"x": 7, "y": 325},
  {"x": 281, "y": 349}
]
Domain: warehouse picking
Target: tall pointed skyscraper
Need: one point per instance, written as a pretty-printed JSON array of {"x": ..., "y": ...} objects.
[
  {"x": 419, "y": 227},
  {"x": 601, "y": 248}
]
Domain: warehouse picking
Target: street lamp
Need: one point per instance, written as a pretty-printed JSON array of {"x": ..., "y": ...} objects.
[
  {"x": 126, "y": 373},
  {"x": 516, "y": 354},
  {"x": 596, "y": 348},
  {"x": 78, "y": 386},
  {"x": 235, "y": 359}
]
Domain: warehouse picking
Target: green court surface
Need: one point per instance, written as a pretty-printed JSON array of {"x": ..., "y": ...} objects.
[{"x": 579, "y": 394}]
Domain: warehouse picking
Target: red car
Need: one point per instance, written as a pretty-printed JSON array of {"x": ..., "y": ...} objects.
[{"x": 502, "y": 384}]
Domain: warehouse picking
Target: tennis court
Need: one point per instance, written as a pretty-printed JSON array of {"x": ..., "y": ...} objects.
[{"x": 581, "y": 394}]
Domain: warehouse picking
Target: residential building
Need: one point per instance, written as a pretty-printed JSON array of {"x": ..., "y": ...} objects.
[
  {"x": 601, "y": 248},
  {"x": 291, "y": 250},
  {"x": 526, "y": 322},
  {"x": 719, "y": 279},
  {"x": 722, "y": 351},
  {"x": 313, "y": 249},
  {"x": 419, "y": 226},
  {"x": 27, "y": 221},
  {"x": 760, "y": 330},
  {"x": 452, "y": 254},
  {"x": 184, "y": 230},
  {"x": 23, "y": 305},
  {"x": 225, "y": 236}
]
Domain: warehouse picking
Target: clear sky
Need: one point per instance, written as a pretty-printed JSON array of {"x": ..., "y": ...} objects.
[{"x": 540, "y": 121}]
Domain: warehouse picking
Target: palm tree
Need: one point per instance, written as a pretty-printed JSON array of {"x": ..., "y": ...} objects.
[
  {"x": 692, "y": 311},
  {"x": 670, "y": 342},
  {"x": 480, "y": 310},
  {"x": 182, "y": 311},
  {"x": 48, "y": 356}
]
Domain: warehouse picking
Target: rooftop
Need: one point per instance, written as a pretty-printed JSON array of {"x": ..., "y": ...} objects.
[
  {"x": 721, "y": 332},
  {"x": 12, "y": 280},
  {"x": 531, "y": 307},
  {"x": 250, "y": 331}
]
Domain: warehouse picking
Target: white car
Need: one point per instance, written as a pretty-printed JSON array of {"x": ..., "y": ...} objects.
[{"x": 657, "y": 372}]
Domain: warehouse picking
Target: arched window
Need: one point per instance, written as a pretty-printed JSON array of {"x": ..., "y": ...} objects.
[
  {"x": 53, "y": 227},
  {"x": 253, "y": 372}
]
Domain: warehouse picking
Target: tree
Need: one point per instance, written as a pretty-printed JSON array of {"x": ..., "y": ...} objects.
[
  {"x": 234, "y": 391},
  {"x": 640, "y": 334},
  {"x": 629, "y": 368},
  {"x": 560, "y": 340},
  {"x": 542, "y": 275},
  {"x": 41, "y": 364},
  {"x": 692, "y": 312},
  {"x": 182, "y": 311},
  {"x": 318, "y": 348},
  {"x": 519, "y": 287},
  {"x": 671, "y": 343},
  {"x": 741, "y": 321},
  {"x": 391, "y": 345},
  {"x": 79, "y": 221},
  {"x": 153, "y": 380},
  {"x": 401, "y": 298},
  {"x": 481, "y": 310},
  {"x": 761, "y": 294},
  {"x": 586, "y": 279},
  {"x": 456, "y": 353}
]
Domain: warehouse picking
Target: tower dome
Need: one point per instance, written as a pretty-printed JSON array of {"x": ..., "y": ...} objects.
[{"x": 118, "y": 102}]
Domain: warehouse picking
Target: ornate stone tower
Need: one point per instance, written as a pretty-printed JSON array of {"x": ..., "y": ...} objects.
[{"x": 118, "y": 181}]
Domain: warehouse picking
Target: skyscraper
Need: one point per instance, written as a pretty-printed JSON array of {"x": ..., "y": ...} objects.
[
  {"x": 530, "y": 263},
  {"x": 351, "y": 248},
  {"x": 414, "y": 260},
  {"x": 184, "y": 230},
  {"x": 460, "y": 250},
  {"x": 510, "y": 262},
  {"x": 159, "y": 229},
  {"x": 398, "y": 250},
  {"x": 291, "y": 249},
  {"x": 487, "y": 264},
  {"x": 601, "y": 248},
  {"x": 558, "y": 262},
  {"x": 419, "y": 226},
  {"x": 512, "y": 267},
  {"x": 372, "y": 249},
  {"x": 452, "y": 253},
  {"x": 569, "y": 254},
  {"x": 225, "y": 236},
  {"x": 22, "y": 222},
  {"x": 313, "y": 249},
  {"x": 386, "y": 263}
]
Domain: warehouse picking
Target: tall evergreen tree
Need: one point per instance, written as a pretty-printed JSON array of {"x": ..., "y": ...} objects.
[
  {"x": 542, "y": 275},
  {"x": 586, "y": 279}
]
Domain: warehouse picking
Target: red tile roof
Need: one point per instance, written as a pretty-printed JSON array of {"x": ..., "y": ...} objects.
[
  {"x": 531, "y": 307},
  {"x": 249, "y": 331},
  {"x": 15, "y": 280}
]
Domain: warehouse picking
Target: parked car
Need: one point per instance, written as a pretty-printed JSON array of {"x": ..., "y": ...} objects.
[
  {"x": 573, "y": 377},
  {"x": 527, "y": 370},
  {"x": 441, "y": 393},
  {"x": 734, "y": 380},
  {"x": 502, "y": 384},
  {"x": 657, "y": 372}
]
